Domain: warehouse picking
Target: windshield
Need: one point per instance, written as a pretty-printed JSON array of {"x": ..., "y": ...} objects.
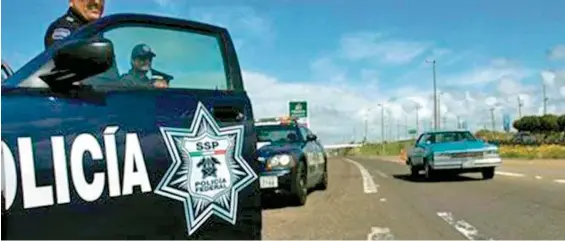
[
  {"x": 452, "y": 137},
  {"x": 277, "y": 133}
]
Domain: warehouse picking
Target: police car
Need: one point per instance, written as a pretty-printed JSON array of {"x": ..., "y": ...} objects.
[
  {"x": 291, "y": 159},
  {"x": 87, "y": 157}
]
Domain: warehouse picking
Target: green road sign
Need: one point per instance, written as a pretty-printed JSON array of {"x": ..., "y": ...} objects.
[
  {"x": 298, "y": 109},
  {"x": 412, "y": 131}
]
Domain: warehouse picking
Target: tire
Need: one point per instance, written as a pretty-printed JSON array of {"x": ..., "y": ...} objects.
[
  {"x": 323, "y": 185},
  {"x": 488, "y": 173},
  {"x": 414, "y": 171},
  {"x": 300, "y": 188}
]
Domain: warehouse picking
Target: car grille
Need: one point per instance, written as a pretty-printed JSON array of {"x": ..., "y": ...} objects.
[{"x": 467, "y": 154}]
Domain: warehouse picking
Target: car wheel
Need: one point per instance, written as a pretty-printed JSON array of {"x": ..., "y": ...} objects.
[
  {"x": 414, "y": 171},
  {"x": 488, "y": 173},
  {"x": 323, "y": 185},
  {"x": 300, "y": 193}
]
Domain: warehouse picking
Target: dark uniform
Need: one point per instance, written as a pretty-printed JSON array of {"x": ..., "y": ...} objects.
[
  {"x": 139, "y": 78},
  {"x": 63, "y": 27}
]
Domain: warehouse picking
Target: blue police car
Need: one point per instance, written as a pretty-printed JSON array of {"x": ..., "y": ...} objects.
[
  {"x": 88, "y": 156},
  {"x": 292, "y": 160}
]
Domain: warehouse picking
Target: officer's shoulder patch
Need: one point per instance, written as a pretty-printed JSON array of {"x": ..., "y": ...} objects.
[{"x": 60, "y": 33}]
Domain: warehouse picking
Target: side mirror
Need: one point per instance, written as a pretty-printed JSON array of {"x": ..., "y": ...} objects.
[
  {"x": 77, "y": 60},
  {"x": 428, "y": 142},
  {"x": 311, "y": 137}
]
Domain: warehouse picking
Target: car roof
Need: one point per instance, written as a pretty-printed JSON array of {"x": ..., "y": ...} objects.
[{"x": 444, "y": 131}]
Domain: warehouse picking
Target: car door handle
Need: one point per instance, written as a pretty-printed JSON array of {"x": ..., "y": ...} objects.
[{"x": 228, "y": 113}]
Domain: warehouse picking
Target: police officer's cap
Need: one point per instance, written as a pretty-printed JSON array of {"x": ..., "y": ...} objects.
[{"x": 142, "y": 50}]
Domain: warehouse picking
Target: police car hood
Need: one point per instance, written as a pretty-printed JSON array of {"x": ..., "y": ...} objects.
[{"x": 268, "y": 149}]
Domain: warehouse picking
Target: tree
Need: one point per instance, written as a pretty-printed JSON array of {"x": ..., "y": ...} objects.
[
  {"x": 519, "y": 124},
  {"x": 548, "y": 123},
  {"x": 561, "y": 122},
  {"x": 531, "y": 124}
]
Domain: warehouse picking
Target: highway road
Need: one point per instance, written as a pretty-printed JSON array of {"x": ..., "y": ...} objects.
[{"x": 374, "y": 198}]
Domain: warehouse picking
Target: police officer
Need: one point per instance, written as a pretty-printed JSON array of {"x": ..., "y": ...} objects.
[
  {"x": 80, "y": 13},
  {"x": 141, "y": 60}
]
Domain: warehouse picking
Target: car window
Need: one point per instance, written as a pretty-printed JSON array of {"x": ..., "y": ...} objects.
[
  {"x": 423, "y": 139},
  {"x": 304, "y": 133},
  {"x": 180, "y": 59},
  {"x": 453, "y": 136},
  {"x": 277, "y": 133},
  {"x": 147, "y": 55}
]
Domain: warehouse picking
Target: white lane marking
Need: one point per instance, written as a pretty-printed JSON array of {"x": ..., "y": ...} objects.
[
  {"x": 369, "y": 185},
  {"x": 538, "y": 177},
  {"x": 382, "y": 174},
  {"x": 559, "y": 181},
  {"x": 463, "y": 227},
  {"x": 383, "y": 199},
  {"x": 510, "y": 174},
  {"x": 378, "y": 233}
]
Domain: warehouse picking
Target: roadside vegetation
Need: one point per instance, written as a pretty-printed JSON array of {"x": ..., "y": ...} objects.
[{"x": 538, "y": 137}]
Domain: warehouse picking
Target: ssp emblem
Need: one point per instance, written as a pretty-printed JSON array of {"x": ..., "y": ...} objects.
[{"x": 208, "y": 170}]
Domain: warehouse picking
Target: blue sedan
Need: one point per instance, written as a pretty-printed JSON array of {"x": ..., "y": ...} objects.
[{"x": 452, "y": 152}]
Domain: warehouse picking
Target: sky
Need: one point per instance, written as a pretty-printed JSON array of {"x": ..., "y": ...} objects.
[{"x": 346, "y": 57}]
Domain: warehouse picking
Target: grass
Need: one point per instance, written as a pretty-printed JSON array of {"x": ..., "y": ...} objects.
[{"x": 506, "y": 151}]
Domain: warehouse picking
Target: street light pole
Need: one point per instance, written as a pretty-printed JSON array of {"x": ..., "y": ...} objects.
[
  {"x": 520, "y": 104},
  {"x": 492, "y": 117},
  {"x": 382, "y": 127},
  {"x": 435, "y": 93},
  {"x": 544, "y": 100},
  {"x": 417, "y": 119},
  {"x": 405, "y": 125},
  {"x": 366, "y": 125}
]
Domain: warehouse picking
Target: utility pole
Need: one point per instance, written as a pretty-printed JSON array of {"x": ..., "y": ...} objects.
[
  {"x": 366, "y": 125},
  {"x": 520, "y": 104},
  {"x": 405, "y": 124},
  {"x": 439, "y": 124},
  {"x": 492, "y": 118},
  {"x": 544, "y": 100},
  {"x": 417, "y": 119},
  {"x": 436, "y": 117},
  {"x": 382, "y": 127}
]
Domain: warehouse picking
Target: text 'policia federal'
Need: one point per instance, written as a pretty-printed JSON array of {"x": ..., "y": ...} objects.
[{"x": 134, "y": 173}]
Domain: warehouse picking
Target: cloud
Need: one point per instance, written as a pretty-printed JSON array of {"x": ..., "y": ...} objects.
[
  {"x": 497, "y": 70},
  {"x": 339, "y": 110},
  {"x": 243, "y": 22},
  {"x": 368, "y": 45},
  {"x": 557, "y": 52}
]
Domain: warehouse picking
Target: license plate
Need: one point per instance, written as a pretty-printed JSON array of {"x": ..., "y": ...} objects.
[
  {"x": 469, "y": 163},
  {"x": 269, "y": 182}
]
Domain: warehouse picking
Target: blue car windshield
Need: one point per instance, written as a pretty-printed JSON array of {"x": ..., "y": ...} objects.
[
  {"x": 452, "y": 137},
  {"x": 278, "y": 133}
]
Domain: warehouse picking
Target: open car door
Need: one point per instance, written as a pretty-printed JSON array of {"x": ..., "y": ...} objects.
[{"x": 92, "y": 150}]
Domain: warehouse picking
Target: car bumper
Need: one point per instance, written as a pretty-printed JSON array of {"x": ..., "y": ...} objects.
[
  {"x": 277, "y": 181},
  {"x": 465, "y": 163}
]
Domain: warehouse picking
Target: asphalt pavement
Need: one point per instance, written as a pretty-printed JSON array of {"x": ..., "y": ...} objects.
[{"x": 374, "y": 198}]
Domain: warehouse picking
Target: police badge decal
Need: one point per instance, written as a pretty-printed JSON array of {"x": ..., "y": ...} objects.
[{"x": 208, "y": 170}]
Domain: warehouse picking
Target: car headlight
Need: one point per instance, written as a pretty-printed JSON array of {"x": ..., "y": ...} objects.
[{"x": 280, "y": 160}]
